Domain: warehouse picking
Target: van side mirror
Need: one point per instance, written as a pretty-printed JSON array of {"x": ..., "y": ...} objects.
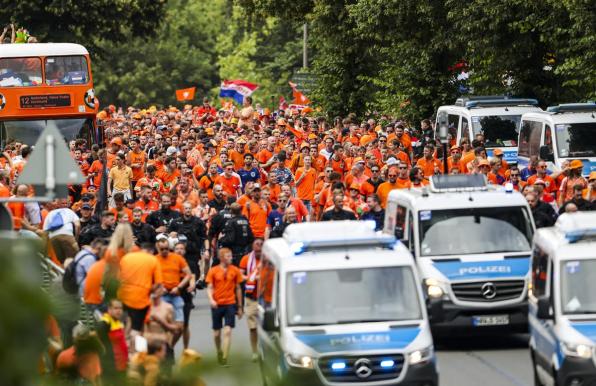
[
  {"x": 269, "y": 319},
  {"x": 435, "y": 310},
  {"x": 543, "y": 311},
  {"x": 546, "y": 154}
]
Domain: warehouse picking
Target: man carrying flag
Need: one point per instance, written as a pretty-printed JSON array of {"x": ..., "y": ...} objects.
[{"x": 237, "y": 89}]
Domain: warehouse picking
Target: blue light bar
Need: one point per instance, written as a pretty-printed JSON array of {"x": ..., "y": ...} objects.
[
  {"x": 387, "y": 363},
  {"x": 338, "y": 366}
]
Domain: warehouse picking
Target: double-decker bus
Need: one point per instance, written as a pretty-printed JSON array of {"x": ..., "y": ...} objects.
[{"x": 46, "y": 82}]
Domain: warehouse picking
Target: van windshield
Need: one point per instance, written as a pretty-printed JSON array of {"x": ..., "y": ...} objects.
[
  {"x": 578, "y": 287},
  {"x": 498, "y": 130},
  {"x": 474, "y": 231},
  {"x": 352, "y": 296},
  {"x": 576, "y": 139}
]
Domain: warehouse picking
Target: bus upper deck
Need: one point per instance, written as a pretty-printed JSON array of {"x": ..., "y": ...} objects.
[{"x": 42, "y": 82}]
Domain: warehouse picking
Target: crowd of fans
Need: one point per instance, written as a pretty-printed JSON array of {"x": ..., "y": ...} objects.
[{"x": 191, "y": 194}]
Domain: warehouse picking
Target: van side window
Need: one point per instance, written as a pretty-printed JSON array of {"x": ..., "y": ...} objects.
[
  {"x": 465, "y": 128},
  {"x": 529, "y": 138},
  {"x": 453, "y": 124},
  {"x": 539, "y": 272},
  {"x": 266, "y": 283},
  {"x": 400, "y": 222}
]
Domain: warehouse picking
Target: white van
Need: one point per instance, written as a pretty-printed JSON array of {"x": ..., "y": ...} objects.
[
  {"x": 563, "y": 132},
  {"x": 497, "y": 117},
  {"x": 562, "y": 302},
  {"x": 342, "y": 304},
  {"x": 472, "y": 244}
]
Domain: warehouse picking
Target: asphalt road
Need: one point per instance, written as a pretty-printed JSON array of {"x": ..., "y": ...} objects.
[{"x": 473, "y": 361}]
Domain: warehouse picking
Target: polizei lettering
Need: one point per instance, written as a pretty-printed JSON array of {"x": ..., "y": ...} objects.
[
  {"x": 360, "y": 339},
  {"x": 489, "y": 269}
]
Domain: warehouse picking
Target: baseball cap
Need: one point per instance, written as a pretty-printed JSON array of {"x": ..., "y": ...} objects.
[
  {"x": 539, "y": 182},
  {"x": 171, "y": 150},
  {"x": 497, "y": 152},
  {"x": 117, "y": 141},
  {"x": 161, "y": 236},
  {"x": 484, "y": 163},
  {"x": 391, "y": 161},
  {"x": 256, "y": 186},
  {"x": 86, "y": 206},
  {"x": 576, "y": 164},
  {"x": 592, "y": 176}
]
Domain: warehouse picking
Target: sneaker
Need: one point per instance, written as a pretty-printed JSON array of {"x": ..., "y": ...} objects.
[
  {"x": 254, "y": 357},
  {"x": 224, "y": 362},
  {"x": 220, "y": 358},
  {"x": 200, "y": 284}
]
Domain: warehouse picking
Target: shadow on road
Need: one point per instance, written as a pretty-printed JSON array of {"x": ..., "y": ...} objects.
[{"x": 479, "y": 342}]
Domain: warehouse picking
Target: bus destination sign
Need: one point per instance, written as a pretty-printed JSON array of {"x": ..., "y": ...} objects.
[{"x": 40, "y": 101}]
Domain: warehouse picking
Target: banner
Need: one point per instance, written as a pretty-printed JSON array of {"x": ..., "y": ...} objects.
[{"x": 185, "y": 94}]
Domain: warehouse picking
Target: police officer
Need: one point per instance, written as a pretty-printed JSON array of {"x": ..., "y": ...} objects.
[
  {"x": 236, "y": 234},
  {"x": 195, "y": 231},
  {"x": 160, "y": 219}
]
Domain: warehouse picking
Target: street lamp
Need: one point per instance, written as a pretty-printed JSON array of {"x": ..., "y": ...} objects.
[{"x": 443, "y": 124}]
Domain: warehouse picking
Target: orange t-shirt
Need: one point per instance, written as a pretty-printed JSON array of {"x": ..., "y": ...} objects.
[
  {"x": 206, "y": 184},
  {"x": 306, "y": 188},
  {"x": 96, "y": 167},
  {"x": 237, "y": 158},
  {"x": 230, "y": 185},
  {"x": 428, "y": 166},
  {"x": 168, "y": 179},
  {"x": 139, "y": 271},
  {"x": 384, "y": 189},
  {"x": 171, "y": 269},
  {"x": 147, "y": 208},
  {"x": 92, "y": 290},
  {"x": 257, "y": 217},
  {"x": 224, "y": 282},
  {"x": 138, "y": 158}
]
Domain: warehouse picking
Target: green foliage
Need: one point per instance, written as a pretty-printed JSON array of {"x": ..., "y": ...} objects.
[
  {"x": 181, "y": 54},
  {"x": 83, "y": 21}
]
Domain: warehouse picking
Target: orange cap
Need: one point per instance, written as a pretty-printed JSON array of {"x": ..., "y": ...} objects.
[
  {"x": 484, "y": 163},
  {"x": 117, "y": 141},
  {"x": 592, "y": 176},
  {"x": 497, "y": 152},
  {"x": 576, "y": 164},
  {"x": 355, "y": 186}
]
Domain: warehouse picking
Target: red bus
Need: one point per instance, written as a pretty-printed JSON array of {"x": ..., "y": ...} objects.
[{"x": 44, "y": 82}]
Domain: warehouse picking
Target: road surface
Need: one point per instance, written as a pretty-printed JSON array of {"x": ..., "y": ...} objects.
[{"x": 496, "y": 361}]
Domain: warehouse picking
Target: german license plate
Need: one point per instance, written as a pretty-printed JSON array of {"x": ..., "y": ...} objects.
[{"x": 490, "y": 320}]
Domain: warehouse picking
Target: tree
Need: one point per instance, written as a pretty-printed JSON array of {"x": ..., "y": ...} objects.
[
  {"x": 182, "y": 54},
  {"x": 83, "y": 22}
]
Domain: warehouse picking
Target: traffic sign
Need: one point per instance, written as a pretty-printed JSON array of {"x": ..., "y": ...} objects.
[
  {"x": 305, "y": 81},
  {"x": 50, "y": 169}
]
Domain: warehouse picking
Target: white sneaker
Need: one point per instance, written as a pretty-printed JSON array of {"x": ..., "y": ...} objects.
[{"x": 254, "y": 357}]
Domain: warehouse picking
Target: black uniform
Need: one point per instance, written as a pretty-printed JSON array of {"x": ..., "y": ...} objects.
[
  {"x": 237, "y": 236},
  {"x": 195, "y": 231},
  {"x": 218, "y": 205},
  {"x": 143, "y": 232},
  {"x": 93, "y": 232},
  {"x": 162, "y": 217},
  {"x": 335, "y": 215},
  {"x": 278, "y": 230},
  {"x": 93, "y": 220}
]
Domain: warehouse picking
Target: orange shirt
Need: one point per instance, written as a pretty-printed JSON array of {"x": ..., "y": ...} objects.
[
  {"x": 224, "y": 283},
  {"x": 92, "y": 290},
  {"x": 230, "y": 185},
  {"x": 147, "y": 207},
  {"x": 172, "y": 268},
  {"x": 306, "y": 188},
  {"x": 137, "y": 158},
  {"x": 237, "y": 158},
  {"x": 169, "y": 179},
  {"x": 192, "y": 197},
  {"x": 96, "y": 168},
  {"x": 139, "y": 271},
  {"x": 257, "y": 216},
  {"x": 206, "y": 183},
  {"x": 551, "y": 185},
  {"x": 428, "y": 166},
  {"x": 384, "y": 189}
]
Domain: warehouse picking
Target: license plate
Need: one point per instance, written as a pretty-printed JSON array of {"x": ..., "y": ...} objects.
[{"x": 490, "y": 320}]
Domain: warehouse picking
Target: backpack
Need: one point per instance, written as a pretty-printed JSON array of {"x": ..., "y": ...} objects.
[
  {"x": 69, "y": 280},
  {"x": 56, "y": 223}
]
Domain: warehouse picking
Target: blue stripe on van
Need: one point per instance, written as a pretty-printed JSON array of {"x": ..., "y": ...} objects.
[
  {"x": 484, "y": 269},
  {"x": 396, "y": 338}
]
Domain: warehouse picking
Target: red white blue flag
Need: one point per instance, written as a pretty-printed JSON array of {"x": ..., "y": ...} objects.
[{"x": 236, "y": 89}]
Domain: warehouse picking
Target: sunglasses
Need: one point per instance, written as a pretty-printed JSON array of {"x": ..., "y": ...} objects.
[
  {"x": 375, "y": 170},
  {"x": 392, "y": 175}
]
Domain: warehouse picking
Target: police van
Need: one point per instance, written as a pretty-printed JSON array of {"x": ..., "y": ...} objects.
[
  {"x": 563, "y": 132},
  {"x": 496, "y": 117},
  {"x": 472, "y": 243},
  {"x": 562, "y": 302},
  {"x": 340, "y": 304}
]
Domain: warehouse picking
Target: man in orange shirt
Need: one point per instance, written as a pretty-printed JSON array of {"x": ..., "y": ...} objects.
[
  {"x": 170, "y": 175},
  {"x": 136, "y": 159},
  {"x": 550, "y": 186},
  {"x": 225, "y": 297},
  {"x": 176, "y": 276},
  {"x": 256, "y": 211},
  {"x": 140, "y": 274},
  {"x": 387, "y": 186},
  {"x": 306, "y": 177},
  {"x": 229, "y": 181},
  {"x": 428, "y": 163}
]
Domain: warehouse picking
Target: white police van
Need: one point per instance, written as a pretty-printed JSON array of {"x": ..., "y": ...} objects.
[
  {"x": 562, "y": 302},
  {"x": 472, "y": 243},
  {"x": 563, "y": 132},
  {"x": 340, "y": 304},
  {"x": 497, "y": 117}
]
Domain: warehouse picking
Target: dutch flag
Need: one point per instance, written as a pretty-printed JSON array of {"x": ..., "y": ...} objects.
[{"x": 236, "y": 89}]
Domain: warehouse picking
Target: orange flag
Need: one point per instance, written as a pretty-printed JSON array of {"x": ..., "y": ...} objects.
[
  {"x": 185, "y": 94},
  {"x": 299, "y": 97}
]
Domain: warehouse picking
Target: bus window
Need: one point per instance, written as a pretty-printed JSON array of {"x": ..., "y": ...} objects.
[
  {"x": 61, "y": 70},
  {"x": 20, "y": 72},
  {"x": 29, "y": 131}
]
